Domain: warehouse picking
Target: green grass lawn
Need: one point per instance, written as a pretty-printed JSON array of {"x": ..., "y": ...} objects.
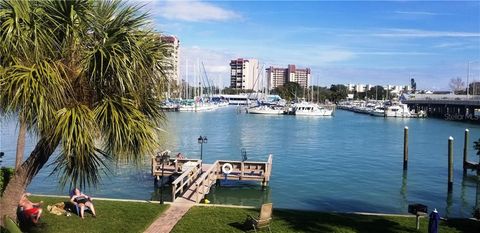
[
  {"x": 217, "y": 219},
  {"x": 112, "y": 216}
]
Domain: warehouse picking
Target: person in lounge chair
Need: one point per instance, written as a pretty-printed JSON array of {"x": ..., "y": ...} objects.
[
  {"x": 81, "y": 201},
  {"x": 31, "y": 210}
]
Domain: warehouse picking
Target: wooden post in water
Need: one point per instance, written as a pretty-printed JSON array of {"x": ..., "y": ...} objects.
[
  {"x": 405, "y": 148},
  {"x": 450, "y": 164},
  {"x": 465, "y": 152}
]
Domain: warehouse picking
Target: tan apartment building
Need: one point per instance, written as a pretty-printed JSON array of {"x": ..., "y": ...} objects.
[
  {"x": 244, "y": 74},
  {"x": 277, "y": 77},
  {"x": 172, "y": 61}
]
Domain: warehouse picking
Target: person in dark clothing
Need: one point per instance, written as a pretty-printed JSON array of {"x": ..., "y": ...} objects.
[{"x": 434, "y": 218}]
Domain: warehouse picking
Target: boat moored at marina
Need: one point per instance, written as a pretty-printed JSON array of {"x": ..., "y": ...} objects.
[
  {"x": 267, "y": 109},
  {"x": 310, "y": 109},
  {"x": 378, "y": 111},
  {"x": 397, "y": 110}
]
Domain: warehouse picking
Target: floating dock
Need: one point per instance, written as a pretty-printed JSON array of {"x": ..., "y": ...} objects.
[{"x": 196, "y": 178}]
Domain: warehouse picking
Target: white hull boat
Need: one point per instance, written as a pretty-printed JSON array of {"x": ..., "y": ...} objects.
[
  {"x": 400, "y": 110},
  {"x": 266, "y": 110},
  {"x": 309, "y": 109}
]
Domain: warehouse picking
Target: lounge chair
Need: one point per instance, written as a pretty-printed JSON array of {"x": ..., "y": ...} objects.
[
  {"x": 77, "y": 208},
  {"x": 10, "y": 225},
  {"x": 263, "y": 220}
]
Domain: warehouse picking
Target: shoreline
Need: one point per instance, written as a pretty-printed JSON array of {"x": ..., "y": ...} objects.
[{"x": 251, "y": 207}]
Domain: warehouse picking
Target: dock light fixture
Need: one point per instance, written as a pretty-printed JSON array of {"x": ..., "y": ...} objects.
[{"x": 201, "y": 140}]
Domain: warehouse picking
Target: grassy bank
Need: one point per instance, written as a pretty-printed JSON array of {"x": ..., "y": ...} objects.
[
  {"x": 112, "y": 216},
  {"x": 217, "y": 219}
]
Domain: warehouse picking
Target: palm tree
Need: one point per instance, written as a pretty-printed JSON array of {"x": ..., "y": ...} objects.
[{"x": 84, "y": 76}]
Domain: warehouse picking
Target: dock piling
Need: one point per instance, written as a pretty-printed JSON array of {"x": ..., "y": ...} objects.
[
  {"x": 450, "y": 164},
  {"x": 465, "y": 152},
  {"x": 405, "y": 148}
]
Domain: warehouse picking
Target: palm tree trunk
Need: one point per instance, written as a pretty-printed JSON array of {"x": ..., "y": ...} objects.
[
  {"x": 20, "y": 142},
  {"x": 24, "y": 175}
]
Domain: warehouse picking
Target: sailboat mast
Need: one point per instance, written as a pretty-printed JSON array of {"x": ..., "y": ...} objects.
[{"x": 186, "y": 80}]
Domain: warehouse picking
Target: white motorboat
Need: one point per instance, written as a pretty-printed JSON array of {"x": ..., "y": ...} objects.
[
  {"x": 397, "y": 110},
  {"x": 310, "y": 109},
  {"x": 378, "y": 111},
  {"x": 265, "y": 109}
]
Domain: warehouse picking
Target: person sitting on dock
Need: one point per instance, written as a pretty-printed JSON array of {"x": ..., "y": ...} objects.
[
  {"x": 180, "y": 156},
  {"x": 30, "y": 210},
  {"x": 81, "y": 201}
]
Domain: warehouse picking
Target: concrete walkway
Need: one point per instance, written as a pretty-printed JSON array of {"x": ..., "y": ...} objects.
[{"x": 169, "y": 218}]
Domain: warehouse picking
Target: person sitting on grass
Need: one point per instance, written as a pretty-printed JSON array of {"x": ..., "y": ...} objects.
[
  {"x": 31, "y": 210},
  {"x": 81, "y": 200}
]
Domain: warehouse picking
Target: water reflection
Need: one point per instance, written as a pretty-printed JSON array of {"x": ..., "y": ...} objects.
[
  {"x": 449, "y": 202},
  {"x": 239, "y": 193},
  {"x": 403, "y": 191},
  {"x": 158, "y": 192},
  {"x": 477, "y": 193}
]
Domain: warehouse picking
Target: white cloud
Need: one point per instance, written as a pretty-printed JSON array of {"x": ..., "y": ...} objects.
[
  {"x": 390, "y": 53},
  {"x": 192, "y": 11},
  {"x": 415, "y": 33},
  {"x": 426, "y": 13},
  {"x": 216, "y": 65},
  {"x": 448, "y": 45}
]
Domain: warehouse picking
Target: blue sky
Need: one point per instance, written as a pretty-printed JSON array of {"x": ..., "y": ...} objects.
[{"x": 367, "y": 42}]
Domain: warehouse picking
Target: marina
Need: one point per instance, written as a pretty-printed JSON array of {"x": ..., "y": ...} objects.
[
  {"x": 380, "y": 108},
  {"x": 350, "y": 162}
]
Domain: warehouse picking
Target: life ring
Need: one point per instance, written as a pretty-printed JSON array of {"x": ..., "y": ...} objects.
[{"x": 227, "y": 168}]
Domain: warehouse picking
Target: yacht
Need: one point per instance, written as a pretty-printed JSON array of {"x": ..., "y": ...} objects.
[
  {"x": 310, "y": 109},
  {"x": 397, "y": 110},
  {"x": 266, "y": 109},
  {"x": 378, "y": 111}
]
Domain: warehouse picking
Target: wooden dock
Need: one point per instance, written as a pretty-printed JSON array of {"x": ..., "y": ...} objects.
[
  {"x": 471, "y": 165},
  {"x": 195, "y": 178}
]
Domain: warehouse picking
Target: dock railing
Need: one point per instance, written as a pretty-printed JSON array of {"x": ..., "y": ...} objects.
[
  {"x": 172, "y": 166},
  {"x": 186, "y": 179},
  {"x": 247, "y": 170},
  {"x": 206, "y": 180}
]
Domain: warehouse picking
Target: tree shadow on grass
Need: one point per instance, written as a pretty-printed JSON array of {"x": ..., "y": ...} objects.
[
  {"x": 332, "y": 222},
  {"x": 239, "y": 225},
  {"x": 304, "y": 221},
  {"x": 464, "y": 225}
]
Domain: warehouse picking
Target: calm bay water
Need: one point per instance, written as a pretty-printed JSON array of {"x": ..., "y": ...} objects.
[{"x": 349, "y": 162}]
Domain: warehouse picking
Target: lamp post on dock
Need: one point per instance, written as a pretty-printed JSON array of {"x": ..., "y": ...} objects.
[
  {"x": 163, "y": 157},
  {"x": 201, "y": 140}
]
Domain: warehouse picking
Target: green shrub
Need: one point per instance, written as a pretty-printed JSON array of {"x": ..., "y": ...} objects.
[{"x": 5, "y": 174}]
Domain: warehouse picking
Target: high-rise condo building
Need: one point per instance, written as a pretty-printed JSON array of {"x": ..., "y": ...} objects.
[
  {"x": 277, "y": 77},
  {"x": 172, "y": 62},
  {"x": 244, "y": 74}
]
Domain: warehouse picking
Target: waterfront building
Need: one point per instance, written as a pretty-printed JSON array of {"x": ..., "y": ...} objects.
[
  {"x": 360, "y": 88},
  {"x": 277, "y": 77},
  {"x": 171, "y": 64},
  {"x": 244, "y": 74}
]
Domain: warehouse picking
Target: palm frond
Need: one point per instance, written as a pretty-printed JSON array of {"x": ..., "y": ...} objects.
[
  {"x": 128, "y": 134},
  {"x": 79, "y": 162},
  {"x": 34, "y": 92}
]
